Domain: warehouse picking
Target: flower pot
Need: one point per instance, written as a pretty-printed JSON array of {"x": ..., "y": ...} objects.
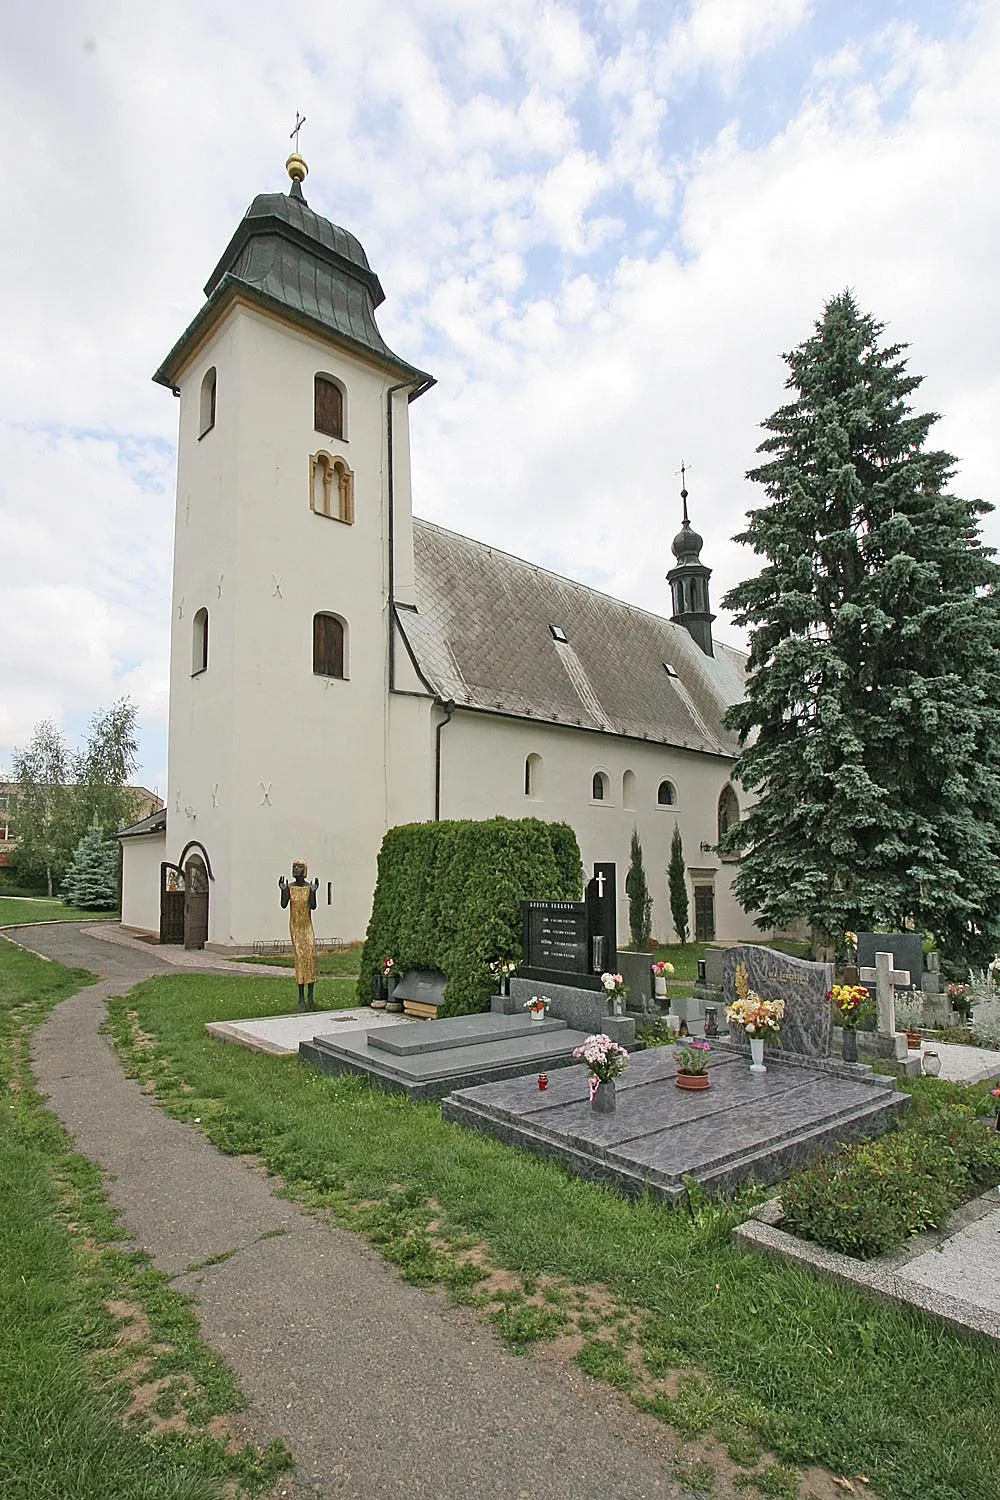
[
  {"x": 693, "y": 1081},
  {"x": 849, "y": 1044},
  {"x": 537, "y": 1015},
  {"x": 659, "y": 987},
  {"x": 605, "y": 1098},
  {"x": 757, "y": 1055},
  {"x": 913, "y": 1040}
]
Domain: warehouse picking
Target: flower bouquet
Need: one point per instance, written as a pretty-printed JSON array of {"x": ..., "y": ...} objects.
[
  {"x": 692, "y": 1064},
  {"x": 605, "y": 1060},
  {"x": 616, "y": 991},
  {"x": 660, "y": 971},
  {"x": 383, "y": 974},
  {"x": 851, "y": 1005},
  {"x": 537, "y": 1006},
  {"x": 502, "y": 969},
  {"x": 759, "y": 1018}
]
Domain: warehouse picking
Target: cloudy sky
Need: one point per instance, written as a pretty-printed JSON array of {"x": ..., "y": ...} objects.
[{"x": 599, "y": 223}]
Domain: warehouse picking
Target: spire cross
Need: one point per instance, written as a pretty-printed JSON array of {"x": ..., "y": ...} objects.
[
  {"x": 682, "y": 471},
  {"x": 300, "y": 120}
]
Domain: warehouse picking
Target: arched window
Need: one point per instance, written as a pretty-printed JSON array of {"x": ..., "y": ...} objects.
[
  {"x": 331, "y": 488},
  {"x": 329, "y": 656},
  {"x": 206, "y": 413},
  {"x": 199, "y": 642},
  {"x": 729, "y": 810},
  {"x": 628, "y": 789},
  {"x": 665, "y": 794},
  {"x": 533, "y": 776},
  {"x": 328, "y": 406},
  {"x": 601, "y": 786}
]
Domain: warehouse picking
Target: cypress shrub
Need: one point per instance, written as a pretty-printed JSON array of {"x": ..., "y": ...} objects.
[{"x": 449, "y": 896}]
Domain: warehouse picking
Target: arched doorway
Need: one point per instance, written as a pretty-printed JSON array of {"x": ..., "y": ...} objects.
[{"x": 195, "y": 902}]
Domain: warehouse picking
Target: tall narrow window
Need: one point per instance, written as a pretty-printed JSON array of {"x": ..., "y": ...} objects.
[
  {"x": 628, "y": 789},
  {"x": 322, "y": 485},
  {"x": 328, "y": 402},
  {"x": 600, "y": 787},
  {"x": 729, "y": 811},
  {"x": 328, "y": 646},
  {"x": 199, "y": 642},
  {"x": 533, "y": 776},
  {"x": 206, "y": 415}
]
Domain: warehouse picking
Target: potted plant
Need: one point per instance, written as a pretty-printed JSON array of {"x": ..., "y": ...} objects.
[
  {"x": 961, "y": 1002},
  {"x": 502, "y": 969},
  {"x": 851, "y": 1004},
  {"x": 692, "y": 1065},
  {"x": 660, "y": 972},
  {"x": 759, "y": 1018},
  {"x": 605, "y": 1061},
  {"x": 537, "y": 1006},
  {"x": 909, "y": 1013},
  {"x": 616, "y": 991}
]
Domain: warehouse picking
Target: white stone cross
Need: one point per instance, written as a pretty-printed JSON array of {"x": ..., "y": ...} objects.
[{"x": 884, "y": 977}]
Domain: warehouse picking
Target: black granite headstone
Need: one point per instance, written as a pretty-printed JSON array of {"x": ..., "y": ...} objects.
[
  {"x": 907, "y": 949},
  {"x": 555, "y": 936},
  {"x": 602, "y": 919}
]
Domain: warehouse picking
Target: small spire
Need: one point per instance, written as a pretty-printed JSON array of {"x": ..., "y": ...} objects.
[
  {"x": 684, "y": 494},
  {"x": 295, "y": 165}
]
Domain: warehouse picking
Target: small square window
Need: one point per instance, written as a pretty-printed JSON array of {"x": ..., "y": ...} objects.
[{"x": 557, "y": 633}]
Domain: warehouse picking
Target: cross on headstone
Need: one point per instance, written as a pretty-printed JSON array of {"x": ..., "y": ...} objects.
[{"x": 884, "y": 977}]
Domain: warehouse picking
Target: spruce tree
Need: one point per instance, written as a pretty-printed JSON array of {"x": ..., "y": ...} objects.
[
  {"x": 677, "y": 883},
  {"x": 870, "y": 727},
  {"x": 640, "y": 902},
  {"x": 91, "y": 882}
]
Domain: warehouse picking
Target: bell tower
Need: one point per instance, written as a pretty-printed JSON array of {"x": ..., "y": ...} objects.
[{"x": 688, "y": 580}]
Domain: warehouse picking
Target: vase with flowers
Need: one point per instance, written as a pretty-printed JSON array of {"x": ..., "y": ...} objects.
[
  {"x": 383, "y": 973},
  {"x": 537, "y": 1006},
  {"x": 502, "y": 969},
  {"x": 851, "y": 1005},
  {"x": 605, "y": 1061},
  {"x": 661, "y": 971},
  {"x": 616, "y": 991},
  {"x": 759, "y": 1018},
  {"x": 692, "y": 1065}
]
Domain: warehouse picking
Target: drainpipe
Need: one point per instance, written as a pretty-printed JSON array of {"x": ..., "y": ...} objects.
[
  {"x": 448, "y": 705},
  {"x": 392, "y": 530}
]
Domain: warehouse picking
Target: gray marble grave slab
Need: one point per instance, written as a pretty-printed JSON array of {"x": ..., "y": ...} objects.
[
  {"x": 425, "y": 986},
  {"x": 585, "y": 1010},
  {"x": 746, "y": 1127},
  {"x": 506, "y": 1047},
  {"x": 807, "y": 1027}
]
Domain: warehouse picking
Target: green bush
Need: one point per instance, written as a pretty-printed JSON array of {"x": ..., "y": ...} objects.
[
  {"x": 449, "y": 897},
  {"x": 866, "y": 1200}
]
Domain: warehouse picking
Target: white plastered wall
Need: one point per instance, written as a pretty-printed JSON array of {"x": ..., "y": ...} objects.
[{"x": 141, "y": 860}]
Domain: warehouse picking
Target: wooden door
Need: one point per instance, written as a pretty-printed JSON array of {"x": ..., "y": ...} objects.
[
  {"x": 171, "y": 905},
  {"x": 704, "y": 914},
  {"x": 195, "y": 903}
]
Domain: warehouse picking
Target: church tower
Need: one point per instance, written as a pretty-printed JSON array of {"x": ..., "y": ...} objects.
[
  {"x": 293, "y": 539},
  {"x": 688, "y": 580}
]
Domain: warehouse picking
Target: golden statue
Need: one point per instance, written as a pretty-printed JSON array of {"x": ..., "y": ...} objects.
[{"x": 300, "y": 898}]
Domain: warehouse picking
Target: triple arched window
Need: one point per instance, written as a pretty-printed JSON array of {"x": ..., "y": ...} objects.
[{"x": 331, "y": 488}]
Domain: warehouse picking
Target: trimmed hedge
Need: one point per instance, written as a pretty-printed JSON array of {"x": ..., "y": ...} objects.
[
  {"x": 869, "y": 1199},
  {"x": 449, "y": 897}
]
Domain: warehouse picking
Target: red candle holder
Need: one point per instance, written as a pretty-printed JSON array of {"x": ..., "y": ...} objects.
[{"x": 543, "y": 1081}]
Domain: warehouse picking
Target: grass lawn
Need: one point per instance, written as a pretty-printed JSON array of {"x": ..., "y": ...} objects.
[
  {"x": 784, "y": 1379},
  {"x": 346, "y": 962},
  {"x": 86, "y": 1324},
  {"x": 16, "y": 911}
]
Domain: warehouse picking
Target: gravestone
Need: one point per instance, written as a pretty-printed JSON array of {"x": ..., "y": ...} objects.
[
  {"x": 907, "y": 949},
  {"x": 808, "y": 1024},
  {"x": 602, "y": 919},
  {"x": 556, "y": 937},
  {"x": 886, "y": 980},
  {"x": 421, "y": 992}
]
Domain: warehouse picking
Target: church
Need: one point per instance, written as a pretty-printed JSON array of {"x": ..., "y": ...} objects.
[{"x": 339, "y": 666}]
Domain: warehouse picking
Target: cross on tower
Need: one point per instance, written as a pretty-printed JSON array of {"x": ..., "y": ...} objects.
[
  {"x": 885, "y": 977},
  {"x": 682, "y": 471},
  {"x": 300, "y": 120}
]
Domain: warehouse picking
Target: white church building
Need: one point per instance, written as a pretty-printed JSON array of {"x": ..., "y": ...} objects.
[{"x": 339, "y": 666}]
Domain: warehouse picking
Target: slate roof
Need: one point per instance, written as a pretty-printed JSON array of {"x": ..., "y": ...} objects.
[
  {"x": 290, "y": 259},
  {"x": 155, "y": 823},
  {"x": 480, "y": 635}
]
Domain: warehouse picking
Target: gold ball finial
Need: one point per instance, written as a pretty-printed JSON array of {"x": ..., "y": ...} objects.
[{"x": 296, "y": 168}]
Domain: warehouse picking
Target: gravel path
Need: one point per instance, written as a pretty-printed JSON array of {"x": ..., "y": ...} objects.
[{"x": 378, "y": 1388}]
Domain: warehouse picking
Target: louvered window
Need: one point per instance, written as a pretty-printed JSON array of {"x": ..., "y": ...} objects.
[
  {"x": 328, "y": 646},
  {"x": 329, "y": 407}
]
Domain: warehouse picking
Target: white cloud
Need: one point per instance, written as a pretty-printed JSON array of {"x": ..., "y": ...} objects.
[{"x": 597, "y": 297}]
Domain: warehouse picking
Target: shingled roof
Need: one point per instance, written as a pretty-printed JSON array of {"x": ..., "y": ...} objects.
[{"x": 486, "y": 634}]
